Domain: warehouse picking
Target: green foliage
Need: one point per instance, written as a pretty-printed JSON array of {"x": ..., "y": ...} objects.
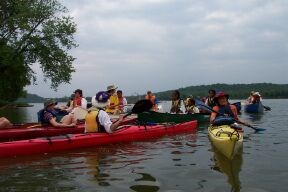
[{"x": 34, "y": 31}]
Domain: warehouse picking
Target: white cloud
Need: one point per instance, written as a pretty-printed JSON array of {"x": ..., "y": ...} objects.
[{"x": 167, "y": 44}]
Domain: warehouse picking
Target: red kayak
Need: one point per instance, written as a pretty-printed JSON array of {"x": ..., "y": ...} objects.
[
  {"x": 34, "y": 130},
  {"x": 127, "y": 133}
]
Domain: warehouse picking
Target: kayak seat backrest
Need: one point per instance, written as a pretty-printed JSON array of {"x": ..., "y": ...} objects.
[{"x": 223, "y": 121}]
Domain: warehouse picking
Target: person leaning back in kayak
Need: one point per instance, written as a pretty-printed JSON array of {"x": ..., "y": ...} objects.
[
  {"x": 49, "y": 115},
  {"x": 223, "y": 108},
  {"x": 97, "y": 119}
]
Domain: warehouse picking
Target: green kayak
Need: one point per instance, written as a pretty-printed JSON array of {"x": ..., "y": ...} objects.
[{"x": 156, "y": 117}]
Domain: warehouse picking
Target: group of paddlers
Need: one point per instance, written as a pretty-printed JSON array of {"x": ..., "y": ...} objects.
[{"x": 112, "y": 101}]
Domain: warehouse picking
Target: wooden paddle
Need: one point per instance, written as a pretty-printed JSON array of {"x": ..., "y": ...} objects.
[{"x": 200, "y": 103}]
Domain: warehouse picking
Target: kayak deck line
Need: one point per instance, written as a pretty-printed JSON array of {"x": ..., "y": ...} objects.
[{"x": 129, "y": 133}]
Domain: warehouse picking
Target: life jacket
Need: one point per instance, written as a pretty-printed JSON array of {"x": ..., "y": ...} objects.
[
  {"x": 190, "y": 109},
  {"x": 176, "y": 106},
  {"x": 113, "y": 100},
  {"x": 92, "y": 122},
  {"x": 211, "y": 102},
  {"x": 41, "y": 113},
  {"x": 78, "y": 101},
  {"x": 226, "y": 109}
]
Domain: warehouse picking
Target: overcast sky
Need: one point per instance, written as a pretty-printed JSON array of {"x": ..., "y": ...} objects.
[{"x": 159, "y": 45}]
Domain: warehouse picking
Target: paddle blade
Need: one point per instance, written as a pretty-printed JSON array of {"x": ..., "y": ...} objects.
[
  {"x": 255, "y": 128},
  {"x": 141, "y": 106},
  {"x": 267, "y": 108}
]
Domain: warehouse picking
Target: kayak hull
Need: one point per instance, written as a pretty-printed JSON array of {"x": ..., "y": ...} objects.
[
  {"x": 128, "y": 133},
  {"x": 156, "y": 117},
  {"x": 30, "y": 131},
  {"x": 226, "y": 140},
  {"x": 254, "y": 108}
]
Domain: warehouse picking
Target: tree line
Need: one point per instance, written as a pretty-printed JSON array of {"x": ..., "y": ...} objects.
[{"x": 236, "y": 91}]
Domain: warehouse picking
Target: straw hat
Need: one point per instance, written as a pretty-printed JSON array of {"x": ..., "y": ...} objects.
[
  {"x": 111, "y": 87},
  {"x": 49, "y": 102}
]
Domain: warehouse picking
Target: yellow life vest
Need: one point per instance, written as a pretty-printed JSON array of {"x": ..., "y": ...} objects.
[{"x": 91, "y": 120}]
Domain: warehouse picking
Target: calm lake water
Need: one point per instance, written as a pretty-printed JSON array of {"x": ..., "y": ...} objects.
[{"x": 172, "y": 164}]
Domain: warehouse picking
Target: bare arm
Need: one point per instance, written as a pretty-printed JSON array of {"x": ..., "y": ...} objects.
[
  {"x": 114, "y": 125},
  {"x": 213, "y": 114}
]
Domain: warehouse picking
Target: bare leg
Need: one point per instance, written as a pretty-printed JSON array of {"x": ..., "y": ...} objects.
[{"x": 68, "y": 119}]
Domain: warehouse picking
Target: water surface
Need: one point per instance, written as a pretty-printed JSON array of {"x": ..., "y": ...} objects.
[{"x": 184, "y": 162}]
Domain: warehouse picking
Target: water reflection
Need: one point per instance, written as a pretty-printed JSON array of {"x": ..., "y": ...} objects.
[
  {"x": 15, "y": 115},
  {"x": 254, "y": 117},
  {"x": 231, "y": 168},
  {"x": 147, "y": 183}
]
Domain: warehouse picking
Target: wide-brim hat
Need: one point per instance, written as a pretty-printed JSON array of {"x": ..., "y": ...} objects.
[
  {"x": 256, "y": 94},
  {"x": 49, "y": 102},
  {"x": 111, "y": 87}
]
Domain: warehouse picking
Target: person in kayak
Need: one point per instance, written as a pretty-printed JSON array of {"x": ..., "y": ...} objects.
[
  {"x": 224, "y": 109},
  {"x": 50, "y": 115},
  {"x": 150, "y": 96},
  {"x": 122, "y": 102},
  {"x": 97, "y": 119},
  {"x": 249, "y": 99},
  {"x": 5, "y": 123},
  {"x": 111, "y": 108},
  {"x": 210, "y": 99},
  {"x": 79, "y": 100},
  {"x": 191, "y": 108},
  {"x": 176, "y": 102}
]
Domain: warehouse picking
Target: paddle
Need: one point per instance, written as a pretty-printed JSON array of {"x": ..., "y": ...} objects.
[
  {"x": 200, "y": 103},
  {"x": 267, "y": 108},
  {"x": 140, "y": 106}
]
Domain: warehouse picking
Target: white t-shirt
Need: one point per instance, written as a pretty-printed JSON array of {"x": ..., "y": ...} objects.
[
  {"x": 105, "y": 121},
  {"x": 93, "y": 100},
  {"x": 84, "y": 103}
]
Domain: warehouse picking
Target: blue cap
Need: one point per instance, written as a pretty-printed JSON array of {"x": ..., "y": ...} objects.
[{"x": 102, "y": 97}]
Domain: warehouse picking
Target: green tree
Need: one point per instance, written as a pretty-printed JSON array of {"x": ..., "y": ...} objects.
[{"x": 34, "y": 31}]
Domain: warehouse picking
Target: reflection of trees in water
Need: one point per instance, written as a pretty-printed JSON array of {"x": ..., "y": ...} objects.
[
  {"x": 253, "y": 117},
  {"x": 15, "y": 115},
  {"x": 231, "y": 168},
  {"x": 36, "y": 174},
  {"x": 147, "y": 183},
  {"x": 103, "y": 164}
]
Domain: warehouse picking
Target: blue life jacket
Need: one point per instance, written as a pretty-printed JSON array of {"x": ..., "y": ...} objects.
[
  {"x": 224, "y": 120},
  {"x": 226, "y": 109}
]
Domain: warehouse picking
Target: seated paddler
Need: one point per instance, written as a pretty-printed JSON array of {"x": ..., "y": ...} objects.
[
  {"x": 224, "y": 113},
  {"x": 55, "y": 117},
  {"x": 97, "y": 119}
]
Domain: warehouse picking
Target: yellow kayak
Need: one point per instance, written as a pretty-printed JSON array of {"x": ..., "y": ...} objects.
[{"x": 226, "y": 140}]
